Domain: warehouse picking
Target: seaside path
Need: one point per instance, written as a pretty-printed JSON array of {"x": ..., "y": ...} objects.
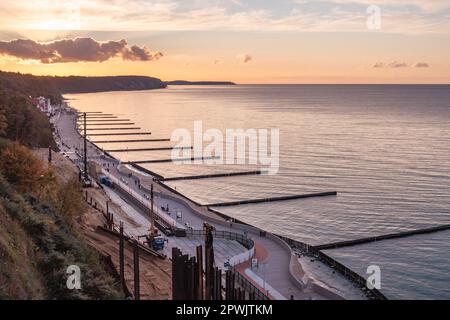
[{"x": 274, "y": 269}]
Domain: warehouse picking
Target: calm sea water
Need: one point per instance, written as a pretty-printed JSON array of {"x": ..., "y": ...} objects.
[{"x": 385, "y": 149}]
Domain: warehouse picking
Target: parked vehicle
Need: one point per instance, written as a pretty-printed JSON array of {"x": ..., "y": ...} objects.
[
  {"x": 106, "y": 181},
  {"x": 158, "y": 243}
]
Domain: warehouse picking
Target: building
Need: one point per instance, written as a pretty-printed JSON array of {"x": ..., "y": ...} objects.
[{"x": 43, "y": 104}]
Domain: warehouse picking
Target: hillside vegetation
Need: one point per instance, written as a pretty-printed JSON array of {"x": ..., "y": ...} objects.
[
  {"x": 53, "y": 87},
  {"x": 38, "y": 240},
  {"x": 38, "y": 211},
  {"x": 75, "y": 84}
]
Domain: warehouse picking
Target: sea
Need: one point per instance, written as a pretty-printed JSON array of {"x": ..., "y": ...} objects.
[{"x": 385, "y": 150}]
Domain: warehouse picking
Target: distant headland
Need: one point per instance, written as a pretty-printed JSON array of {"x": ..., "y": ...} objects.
[
  {"x": 56, "y": 85},
  {"x": 199, "y": 83}
]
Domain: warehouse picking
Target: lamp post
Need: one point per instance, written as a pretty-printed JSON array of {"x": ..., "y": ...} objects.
[{"x": 85, "y": 148}]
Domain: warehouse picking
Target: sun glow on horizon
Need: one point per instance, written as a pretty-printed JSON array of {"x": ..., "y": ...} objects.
[{"x": 264, "y": 42}]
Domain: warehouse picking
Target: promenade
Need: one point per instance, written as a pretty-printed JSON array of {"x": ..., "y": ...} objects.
[{"x": 273, "y": 274}]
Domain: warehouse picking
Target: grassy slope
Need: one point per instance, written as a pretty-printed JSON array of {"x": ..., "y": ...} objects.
[
  {"x": 37, "y": 245},
  {"x": 19, "y": 276}
]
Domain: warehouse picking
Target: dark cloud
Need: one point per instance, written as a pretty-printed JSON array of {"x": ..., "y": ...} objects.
[
  {"x": 136, "y": 53},
  {"x": 421, "y": 65},
  {"x": 76, "y": 50},
  {"x": 245, "y": 58}
]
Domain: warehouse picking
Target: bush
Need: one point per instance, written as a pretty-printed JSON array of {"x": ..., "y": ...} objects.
[{"x": 58, "y": 247}]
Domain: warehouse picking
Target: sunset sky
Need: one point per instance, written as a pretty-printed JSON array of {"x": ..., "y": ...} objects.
[{"x": 246, "y": 41}]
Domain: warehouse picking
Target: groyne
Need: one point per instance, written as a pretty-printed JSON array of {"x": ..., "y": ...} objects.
[
  {"x": 147, "y": 149},
  {"x": 168, "y": 160},
  {"x": 80, "y": 121},
  {"x": 132, "y": 140},
  {"x": 118, "y": 128},
  {"x": 244, "y": 227},
  {"x": 120, "y": 134},
  {"x": 272, "y": 199},
  {"x": 349, "y": 243},
  {"x": 217, "y": 175},
  {"x": 109, "y": 124}
]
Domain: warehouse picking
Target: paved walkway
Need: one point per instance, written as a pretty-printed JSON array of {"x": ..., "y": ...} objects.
[{"x": 274, "y": 269}]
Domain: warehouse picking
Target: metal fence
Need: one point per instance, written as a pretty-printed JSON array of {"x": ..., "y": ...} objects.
[
  {"x": 220, "y": 234},
  {"x": 257, "y": 294}
]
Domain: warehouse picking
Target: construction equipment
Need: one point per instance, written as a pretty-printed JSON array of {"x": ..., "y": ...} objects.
[
  {"x": 158, "y": 243},
  {"x": 154, "y": 239}
]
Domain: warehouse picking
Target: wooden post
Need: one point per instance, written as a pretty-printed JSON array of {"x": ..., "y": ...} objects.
[
  {"x": 85, "y": 149},
  {"x": 121, "y": 256},
  {"x": 209, "y": 259},
  {"x": 152, "y": 215},
  {"x": 200, "y": 272},
  {"x": 49, "y": 156},
  {"x": 108, "y": 216},
  {"x": 137, "y": 294}
]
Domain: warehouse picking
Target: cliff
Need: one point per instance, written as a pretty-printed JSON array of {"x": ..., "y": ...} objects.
[
  {"x": 53, "y": 87},
  {"x": 76, "y": 84}
]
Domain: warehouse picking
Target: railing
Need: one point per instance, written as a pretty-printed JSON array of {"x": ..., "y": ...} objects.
[
  {"x": 373, "y": 294},
  {"x": 145, "y": 204},
  {"x": 242, "y": 239},
  {"x": 248, "y": 286}
]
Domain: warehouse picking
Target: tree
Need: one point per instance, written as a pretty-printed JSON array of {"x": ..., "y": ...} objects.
[{"x": 21, "y": 168}]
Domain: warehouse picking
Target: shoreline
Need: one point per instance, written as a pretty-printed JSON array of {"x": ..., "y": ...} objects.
[{"x": 292, "y": 247}]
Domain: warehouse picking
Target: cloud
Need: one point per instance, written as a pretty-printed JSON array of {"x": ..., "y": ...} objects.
[
  {"x": 378, "y": 65},
  {"x": 421, "y": 65},
  {"x": 393, "y": 64},
  {"x": 75, "y": 50},
  {"x": 398, "y": 16},
  {"x": 245, "y": 58}
]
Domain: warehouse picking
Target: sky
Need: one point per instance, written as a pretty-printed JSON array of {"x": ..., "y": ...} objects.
[{"x": 253, "y": 41}]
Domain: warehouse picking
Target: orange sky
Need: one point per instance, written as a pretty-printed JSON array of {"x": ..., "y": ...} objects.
[{"x": 243, "y": 41}]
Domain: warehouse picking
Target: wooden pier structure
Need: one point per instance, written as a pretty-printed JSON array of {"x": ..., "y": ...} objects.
[
  {"x": 109, "y": 124},
  {"x": 272, "y": 199},
  {"x": 168, "y": 160},
  {"x": 349, "y": 243},
  {"x": 132, "y": 140},
  {"x": 148, "y": 149},
  {"x": 104, "y": 120},
  {"x": 118, "y": 128},
  {"x": 95, "y": 117},
  {"x": 120, "y": 134},
  {"x": 216, "y": 175}
]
